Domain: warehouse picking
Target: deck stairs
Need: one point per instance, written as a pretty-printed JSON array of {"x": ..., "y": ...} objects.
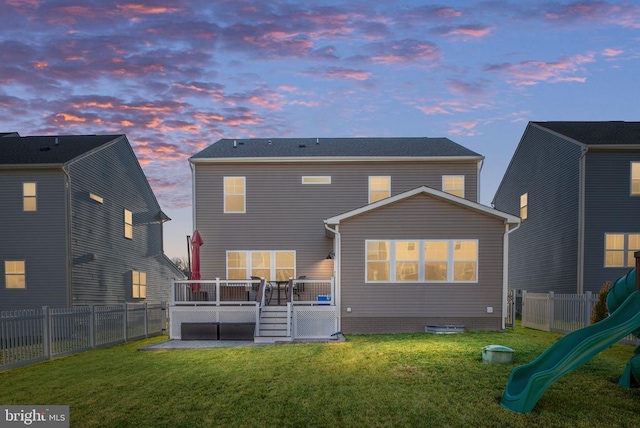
[{"x": 273, "y": 325}]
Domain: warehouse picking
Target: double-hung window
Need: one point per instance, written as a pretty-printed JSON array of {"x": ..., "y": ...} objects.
[
  {"x": 29, "y": 197},
  {"x": 431, "y": 261},
  {"x": 635, "y": 178},
  {"x": 15, "y": 274},
  {"x": 234, "y": 195},
  {"x": 271, "y": 265},
  {"x": 139, "y": 285},
  {"x": 128, "y": 224},
  {"x": 379, "y": 188},
  {"x": 619, "y": 249},
  {"x": 453, "y": 184},
  {"x": 524, "y": 206}
]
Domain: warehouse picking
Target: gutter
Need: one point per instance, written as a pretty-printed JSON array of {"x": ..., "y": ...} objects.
[
  {"x": 337, "y": 245},
  {"x": 333, "y": 159},
  {"x": 505, "y": 267}
]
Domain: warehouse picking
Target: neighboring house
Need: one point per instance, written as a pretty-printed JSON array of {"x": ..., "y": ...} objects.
[
  {"x": 576, "y": 186},
  {"x": 395, "y": 221},
  {"x": 80, "y": 224}
]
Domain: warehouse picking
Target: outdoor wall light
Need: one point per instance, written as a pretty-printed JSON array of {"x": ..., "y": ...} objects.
[{"x": 330, "y": 256}]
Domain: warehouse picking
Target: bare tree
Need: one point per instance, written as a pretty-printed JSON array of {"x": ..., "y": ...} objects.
[{"x": 182, "y": 263}]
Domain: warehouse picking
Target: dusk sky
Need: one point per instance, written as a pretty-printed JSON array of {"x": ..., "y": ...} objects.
[{"x": 176, "y": 76}]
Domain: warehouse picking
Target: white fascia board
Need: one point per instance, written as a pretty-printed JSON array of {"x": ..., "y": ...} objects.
[
  {"x": 294, "y": 159},
  {"x": 508, "y": 218}
]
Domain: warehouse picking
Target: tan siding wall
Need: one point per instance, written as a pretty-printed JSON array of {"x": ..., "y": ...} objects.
[
  {"x": 283, "y": 214},
  {"x": 422, "y": 217}
]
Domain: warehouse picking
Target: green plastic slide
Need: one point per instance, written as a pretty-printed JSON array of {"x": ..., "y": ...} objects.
[{"x": 528, "y": 382}]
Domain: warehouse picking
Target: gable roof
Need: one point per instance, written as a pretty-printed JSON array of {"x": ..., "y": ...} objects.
[
  {"x": 333, "y": 148},
  {"x": 447, "y": 197},
  {"x": 596, "y": 133},
  {"x": 50, "y": 150}
]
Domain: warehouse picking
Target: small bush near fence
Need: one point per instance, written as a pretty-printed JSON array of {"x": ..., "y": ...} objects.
[
  {"x": 33, "y": 335},
  {"x": 600, "y": 311}
]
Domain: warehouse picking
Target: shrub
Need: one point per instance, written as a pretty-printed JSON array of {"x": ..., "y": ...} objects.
[{"x": 600, "y": 311}]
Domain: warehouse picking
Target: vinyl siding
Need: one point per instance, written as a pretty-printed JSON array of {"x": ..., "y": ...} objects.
[
  {"x": 37, "y": 237},
  {"x": 102, "y": 257},
  {"x": 609, "y": 208},
  {"x": 408, "y": 306},
  {"x": 543, "y": 252},
  {"x": 283, "y": 214}
]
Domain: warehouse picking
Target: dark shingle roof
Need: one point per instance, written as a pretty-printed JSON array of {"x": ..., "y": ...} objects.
[
  {"x": 333, "y": 147},
  {"x": 601, "y": 133},
  {"x": 44, "y": 150}
]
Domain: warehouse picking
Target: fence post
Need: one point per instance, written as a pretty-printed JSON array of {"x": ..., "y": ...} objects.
[
  {"x": 92, "y": 327},
  {"x": 46, "y": 332},
  {"x": 125, "y": 322},
  {"x": 588, "y": 309},
  {"x": 146, "y": 320},
  {"x": 551, "y": 310}
]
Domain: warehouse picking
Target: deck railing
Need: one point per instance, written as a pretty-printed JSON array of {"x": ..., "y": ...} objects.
[
  {"x": 313, "y": 292},
  {"x": 216, "y": 292}
]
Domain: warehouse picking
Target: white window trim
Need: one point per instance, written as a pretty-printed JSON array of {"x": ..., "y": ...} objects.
[
  {"x": 272, "y": 261},
  {"x": 421, "y": 261},
  {"x": 526, "y": 196},
  {"x": 449, "y": 190},
  {"x": 4, "y": 267},
  {"x": 34, "y": 196},
  {"x": 369, "y": 186},
  {"x": 327, "y": 179},
  {"x": 244, "y": 195},
  {"x": 125, "y": 224},
  {"x": 625, "y": 250},
  {"x": 139, "y": 284},
  {"x": 631, "y": 177},
  {"x": 98, "y": 199}
]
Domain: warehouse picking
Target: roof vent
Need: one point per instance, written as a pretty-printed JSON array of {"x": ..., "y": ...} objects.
[
  {"x": 235, "y": 144},
  {"x": 45, "y": 149},
  {"x": 317, "y": 140},
  {"x": 301, "y": 146},
  {"x": 57, "y": 142},
  {"x": 269, "y": 142}
]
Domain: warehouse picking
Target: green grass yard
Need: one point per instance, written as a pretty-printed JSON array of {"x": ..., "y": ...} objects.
[{"x": 404, "y": 380}]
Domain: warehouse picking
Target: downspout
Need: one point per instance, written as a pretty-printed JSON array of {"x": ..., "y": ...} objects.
[
  {"x": 68, "y": 227},
  {"x": 337, "y": 245},
  {"x": 581, "y": 194},
  {"x": 193, "y": 195},
  {"x": 480, "y": 164},
  {"x": 505, "y": 268}
]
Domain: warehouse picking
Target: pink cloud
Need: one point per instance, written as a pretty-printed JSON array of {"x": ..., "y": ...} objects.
[
  {"x": 465, "y": 31},
  {"x": 534, "y": 71},
  {"x": 340, "y": 73},
  {"x": 467, "y": 128},
  {"x": 611, "y": 52},
  {"x": 403, "y": 51},
  {"x": 621, "y": 14},
  {"x": 429, "y": 110}
]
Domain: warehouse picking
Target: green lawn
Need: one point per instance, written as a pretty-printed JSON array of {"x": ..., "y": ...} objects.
[{"x": 406, "y": 380}]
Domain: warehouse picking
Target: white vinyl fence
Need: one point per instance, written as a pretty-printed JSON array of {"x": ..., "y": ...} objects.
[
  {"x": 560, "y": 313},
  {"x": 33, "y": 335}
]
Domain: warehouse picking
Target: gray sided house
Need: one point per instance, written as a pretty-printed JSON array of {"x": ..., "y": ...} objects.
[
  {"x": 395, "y": 221},
  {"x": 576, "y": 186},
  {"x": 80, "y": 224}
]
